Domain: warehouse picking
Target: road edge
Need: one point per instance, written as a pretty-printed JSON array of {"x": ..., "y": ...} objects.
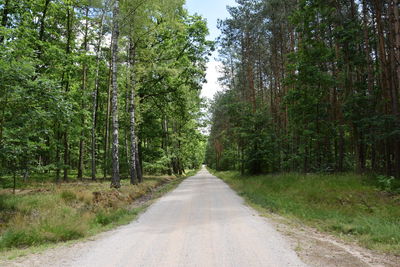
[
  {"x": 314, "y": 247},
  {"x": 141, "y": 204}
]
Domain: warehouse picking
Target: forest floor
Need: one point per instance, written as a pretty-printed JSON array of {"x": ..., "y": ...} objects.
[
  {"x": 332, "y": 220},
  {"x": 204, "y": 223},
  {"x": 41, "y": 214},
  {"x": 200, "y": 223}
]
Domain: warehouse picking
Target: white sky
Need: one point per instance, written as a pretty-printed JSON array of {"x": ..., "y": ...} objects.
[
  {"x": 212, "y": 85},
  {"x": 212, "y": 10}
]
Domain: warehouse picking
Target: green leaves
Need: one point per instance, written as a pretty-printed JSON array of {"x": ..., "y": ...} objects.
[
  {"x": 309, "y": 69},
  {"x": 51, "y": 64}
]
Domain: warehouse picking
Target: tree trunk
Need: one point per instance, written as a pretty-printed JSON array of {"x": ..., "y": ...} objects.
[
  {"x": 384, "y": 77},
  {"x": 397, "y": 36},
  {"x": 42, "y": 20},
  {"x": 67, "y": 84},
  {"x": 395, "y": 93},
  {"x": 359, "y": 150},
  {"x": 95, "y": 96},
  {"x": 108, "y": 115},
  {"x": 115, "y": 180},
  {"x": 66, "y": 156},
  {"x": 41, "y": 30},
  {"x": 341, "y": 149},
  {"x": 165, "y": 143},
  {"x": 58, "y": 154},
  {"x": 367, "y": 48},
  {"x": 138, "y": 165},
  {"x": 132, "y": 55},
  {"x": 14, "y": 182},
  {"x": 139, "y": 159},
  {"x": 4, "y": 105},
  {"x": 83, "y": 106},
  {"x": 382, "y": 50}
]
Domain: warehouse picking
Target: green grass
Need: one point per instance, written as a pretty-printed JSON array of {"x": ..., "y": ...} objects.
[
  {"x": 347, "y": 205},
  {"x": 63, "y": 212}
]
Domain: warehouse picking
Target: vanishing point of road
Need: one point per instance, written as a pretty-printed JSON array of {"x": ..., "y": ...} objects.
[{"x": 200, "y": 223}]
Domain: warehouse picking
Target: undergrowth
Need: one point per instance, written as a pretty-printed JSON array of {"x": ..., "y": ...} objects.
[
  {"x": 46, "y": 213},
  {"x": 348, "y": 205}
]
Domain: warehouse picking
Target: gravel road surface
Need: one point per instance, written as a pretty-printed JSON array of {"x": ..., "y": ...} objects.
[{"x": 201, "y": 223}]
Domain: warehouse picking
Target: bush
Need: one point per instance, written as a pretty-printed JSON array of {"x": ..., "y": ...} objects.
[
  {"x": 105, "y": 218},
  {"x": 386, "y": 182},
  {"x": 57, "y": 233},
  {"x": 19, "y": 238},
  {"x": 68, "y": 196}
]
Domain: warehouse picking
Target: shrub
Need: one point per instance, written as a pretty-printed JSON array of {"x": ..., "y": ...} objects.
[
  {"x": 105, "y": 218},
  {"x": 19, "y": 238},
  {"x": 68, "y": 196}
]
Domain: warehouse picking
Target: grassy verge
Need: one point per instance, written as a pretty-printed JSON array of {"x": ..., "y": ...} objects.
[
  {"x": 347, "y": 205},
  {"x": 43, "y": 214}
]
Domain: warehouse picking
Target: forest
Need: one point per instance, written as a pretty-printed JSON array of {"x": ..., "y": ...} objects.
[
  {"x": 101, "y": 114},
  {"x": 311, "y": 86},
  {"x": 100, "y": 89}
]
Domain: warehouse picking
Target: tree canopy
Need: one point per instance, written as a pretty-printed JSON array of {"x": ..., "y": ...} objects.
[
  {"x": 80, "y": 78},
  {"x": 311, "y": 86}
]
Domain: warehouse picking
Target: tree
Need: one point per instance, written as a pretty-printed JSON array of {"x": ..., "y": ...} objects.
[
  {"x": 115, "y": 182},
  {"x": 325, "y": 82},
  {"x": 53, "y": 53}
]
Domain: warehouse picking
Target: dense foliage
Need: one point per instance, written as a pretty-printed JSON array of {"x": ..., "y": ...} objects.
[
  {"x": 311, "y": 86},
  {"x": 81, "y": 77}
]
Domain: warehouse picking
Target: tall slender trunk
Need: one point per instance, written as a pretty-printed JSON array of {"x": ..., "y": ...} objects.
[
  {"x": 83, "y": 104},
  {"x": 133, "y": 167},
  {"x": 42, "y": 20},
  {"x": 165, "y": 142},
  {"x": 250, "y": 71},
  {"x": 126, "y": 105},
  {"x": 383, "y": 76},
  {"x": 139, "y": 172},
  {"x": 381, "y": 49},
  {"x": 67, "y": 85},
  {"x": 41, "y": 32},
  {"x": 4, "y": 105},
  {"x": 396, "y": 82},
  {"x": 95, "y": 95},
  {"x": 108, "y": 115},
  {"x": 367, "y": 48},
  {"x": 58, "y": 154},
  {"x": 115, "y": 182},
  {"x": 397, "y": 36}
]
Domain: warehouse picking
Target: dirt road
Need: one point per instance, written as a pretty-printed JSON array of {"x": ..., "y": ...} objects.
[{"x": 201, "y": 223}]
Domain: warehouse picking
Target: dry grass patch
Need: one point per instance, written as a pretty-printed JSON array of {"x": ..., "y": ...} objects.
[{"x": 44, "y": 213}]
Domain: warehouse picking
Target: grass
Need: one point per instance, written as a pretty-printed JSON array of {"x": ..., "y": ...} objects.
[
  {"x": 347, "y": 205},
  {"x": 45, "y": 213}
]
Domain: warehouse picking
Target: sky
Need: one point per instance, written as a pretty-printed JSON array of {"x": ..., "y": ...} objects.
[{"x": 211, "y": 10}]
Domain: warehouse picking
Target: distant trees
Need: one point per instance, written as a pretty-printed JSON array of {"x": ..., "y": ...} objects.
[
  {"x": 86, "y": 84},
  {"x": 312, "y": 86}
]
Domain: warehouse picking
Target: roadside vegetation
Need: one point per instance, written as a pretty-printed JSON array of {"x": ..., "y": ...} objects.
[
  {"x": 100, "y": 88},
  {"x": 45, "y": 213},
  {"x": 348, "y": 205},
  {"x": 93, "y": 93},
  {"x": 312, "y": 87}
]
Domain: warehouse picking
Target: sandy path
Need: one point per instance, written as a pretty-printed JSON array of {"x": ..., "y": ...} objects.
[{"x": 201, "y": 223}]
